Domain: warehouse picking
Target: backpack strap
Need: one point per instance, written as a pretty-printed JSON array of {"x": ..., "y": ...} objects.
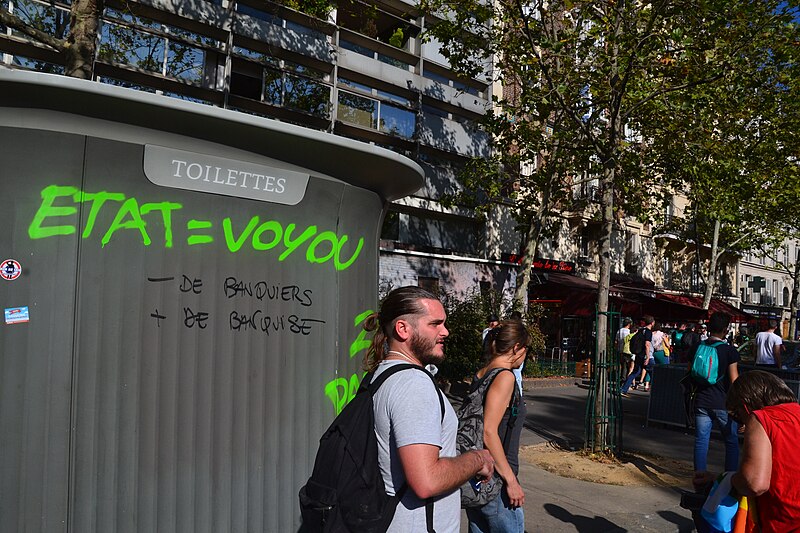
[{"x": 372, "y": 387}]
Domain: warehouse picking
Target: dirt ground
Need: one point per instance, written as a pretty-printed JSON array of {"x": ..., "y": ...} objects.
[{"x": 631, "y": 470}]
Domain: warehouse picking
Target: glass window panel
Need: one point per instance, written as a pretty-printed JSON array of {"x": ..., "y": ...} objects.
[
  {"x": 126, "y": 84},
  {"x": 394, "y": 62},
  {"x": 273, "y": 86},
  {"x": 120, "y": 44},
  {"x": 436, "y": 77},
  {"x": 393, "y": 97},
  {"x": 127, "y": 16},
  {"x": 37, "y": 65},
  {"x": 260, "y": 57},
  {"x": 363, "y": 50},
  {"x": 302, "y": 69},
  {"x": 430, "y": 110},
  {"x": 397, "y": 121},
  {"x": 46, "y": 18},
  {"x": 306, "y": 95},
  {"x": 258, "y": 14},
  {"x": 354, "y": 85},
  {"x": 356, "y": 109},
  {"x": 185, "y": 62}
]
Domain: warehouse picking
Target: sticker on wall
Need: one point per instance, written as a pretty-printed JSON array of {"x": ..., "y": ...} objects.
[
  {"x": 15, "y": 315},
  {"x": 10, "y": 269}
]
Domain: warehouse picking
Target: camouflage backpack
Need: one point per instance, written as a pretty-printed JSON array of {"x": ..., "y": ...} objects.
[{"x": 470, "y": 437}]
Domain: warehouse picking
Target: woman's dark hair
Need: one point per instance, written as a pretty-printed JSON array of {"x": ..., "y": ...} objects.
[
  {"x": 755, "y": 390},
  {"x": 399, "y": 303},
  {"x": 503, "y": 338}
]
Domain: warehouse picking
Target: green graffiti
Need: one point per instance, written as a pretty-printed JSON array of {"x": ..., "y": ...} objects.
[
  {"x": 97, "y": 200},
  {"x": 340, "y": 391},
  {"x": 361, "y": 342},
  {"x": 47, "y": 210},
  {"x": 199, "y": 239},
  {"x": 58, "y": 215}
]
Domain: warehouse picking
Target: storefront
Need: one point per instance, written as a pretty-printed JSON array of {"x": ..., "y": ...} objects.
[{"x": 570, "y": 304}]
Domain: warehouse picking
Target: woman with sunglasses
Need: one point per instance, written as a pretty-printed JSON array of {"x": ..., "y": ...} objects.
[
  {"x": 505, "y": 347},
  {"x": 770, "y": 466}
]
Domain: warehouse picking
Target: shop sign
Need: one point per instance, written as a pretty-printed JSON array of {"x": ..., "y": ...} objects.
[{"x": 542, "y": 264}]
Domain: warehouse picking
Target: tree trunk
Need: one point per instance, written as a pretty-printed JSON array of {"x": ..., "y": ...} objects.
[
  {"x": 530, "y": 251},
  {"x": 794, "y": 304},
  {"x": 711, "y": 277},
  {"x": 604, "y": 283},
  {"x": 81, "y": 47}
]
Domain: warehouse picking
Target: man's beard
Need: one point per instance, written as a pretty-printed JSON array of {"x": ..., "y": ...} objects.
[{"x": 423, "y": 348}]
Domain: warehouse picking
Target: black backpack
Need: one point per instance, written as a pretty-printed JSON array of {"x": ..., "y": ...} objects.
[
  {"x": 346, "y": 493},
  {"x": 637, "y": 344},
  {"x": 470, "y": 437}
]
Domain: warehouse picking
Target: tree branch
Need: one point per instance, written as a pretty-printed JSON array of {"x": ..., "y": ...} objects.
[{"x": 13, "y": 21}]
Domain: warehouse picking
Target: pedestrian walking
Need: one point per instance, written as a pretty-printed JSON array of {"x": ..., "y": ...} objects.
[
  {"x": 641, "y": 347},
  {"x": 769, "y": 346},
  {"x": 622, "y": 342},
  {"x": 709, "y": 401}
]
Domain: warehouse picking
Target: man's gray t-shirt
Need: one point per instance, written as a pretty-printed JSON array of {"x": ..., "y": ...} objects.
[{"x": 408, "y": 412}]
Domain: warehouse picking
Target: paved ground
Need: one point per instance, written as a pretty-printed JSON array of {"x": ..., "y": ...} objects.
[{"x": 556, "y": 411}]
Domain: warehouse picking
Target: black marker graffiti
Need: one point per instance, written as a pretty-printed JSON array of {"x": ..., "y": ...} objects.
[{"x": 262, "y": 290}]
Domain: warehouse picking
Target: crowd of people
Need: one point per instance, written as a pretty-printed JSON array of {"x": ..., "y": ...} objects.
[
  {"x": 676, "y": 343},
  {"x": 755, "y": 405},
  {"x": 426, "y": 467}
]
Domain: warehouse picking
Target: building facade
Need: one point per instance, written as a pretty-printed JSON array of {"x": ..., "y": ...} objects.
[{"x": 358, "y": 69}]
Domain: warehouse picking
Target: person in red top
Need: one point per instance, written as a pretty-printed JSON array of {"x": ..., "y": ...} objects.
[{"x": 770, "y": 467}]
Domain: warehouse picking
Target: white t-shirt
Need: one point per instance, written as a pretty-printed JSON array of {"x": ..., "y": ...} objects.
[
  {"x": 408, "y": 412},
  {"x": 765, "y": 347},
  {"x": 658, "y": 341},
  {"x": 621, "y": 334}
]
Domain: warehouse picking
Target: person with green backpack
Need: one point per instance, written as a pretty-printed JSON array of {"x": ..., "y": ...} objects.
[{"x": 713, "y": 367}]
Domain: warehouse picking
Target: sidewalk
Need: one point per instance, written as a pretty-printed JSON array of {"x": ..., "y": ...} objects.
[{"x": 554, "y": 504}]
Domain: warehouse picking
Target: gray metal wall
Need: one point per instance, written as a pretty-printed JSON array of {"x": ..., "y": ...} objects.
[{"x": 115, "y": 420}]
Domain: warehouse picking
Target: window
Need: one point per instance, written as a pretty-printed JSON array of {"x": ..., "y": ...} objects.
[
  {"x": 583, "y": 243},
  {"x": 429, "y": 284},
  {"x": 694, "y": 278},
  {"x": 280, "y": 83},
  {"x": 148, "y": 45},
  {"x": 391, "y": 226},
  {"x": 45, "y": 17},
  {"x": 357, "y": 110},
  {"x": 786, "y": 297},
  {"x": 387, "y": 113}
]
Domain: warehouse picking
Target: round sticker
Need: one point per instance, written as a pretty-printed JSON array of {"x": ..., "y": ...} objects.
[{"x": 10, "y": 269}]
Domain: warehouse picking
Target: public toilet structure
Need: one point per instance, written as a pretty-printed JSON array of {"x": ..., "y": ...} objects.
[{"x": 183, "y": 289}]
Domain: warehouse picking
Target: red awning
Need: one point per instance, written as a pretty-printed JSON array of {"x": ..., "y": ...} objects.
[{"x": 717, "y": 305}]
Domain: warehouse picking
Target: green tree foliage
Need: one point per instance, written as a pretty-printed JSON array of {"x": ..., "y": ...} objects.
[
  {"x": 466, "y": 320},
  {"x": 591, "y": 69},
  {"x": 315, "y": 8},
  {"x": 731, "y": 145}
]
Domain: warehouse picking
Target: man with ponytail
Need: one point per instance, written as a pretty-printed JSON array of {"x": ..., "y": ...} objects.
[{"x": 416, "y": 444}]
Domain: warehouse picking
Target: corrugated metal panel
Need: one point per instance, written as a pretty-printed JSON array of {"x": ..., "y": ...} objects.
[
  {"x": 183, "y": 357},
  {"x": 183, "y": 428},
  {"x": 36, "y": 357}
]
